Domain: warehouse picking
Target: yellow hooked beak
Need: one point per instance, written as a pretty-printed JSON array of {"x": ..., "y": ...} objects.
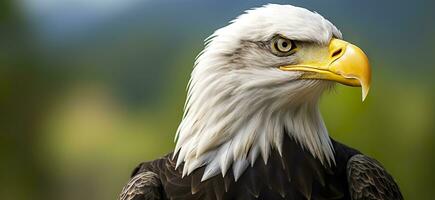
[{"x": 344, "y": 63}]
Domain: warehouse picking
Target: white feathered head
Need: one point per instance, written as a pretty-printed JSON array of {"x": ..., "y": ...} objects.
[{"x": 258, "y": 79}]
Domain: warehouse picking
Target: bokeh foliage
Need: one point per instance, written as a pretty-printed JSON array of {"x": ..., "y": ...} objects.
[{"x": 83, "y": 103}]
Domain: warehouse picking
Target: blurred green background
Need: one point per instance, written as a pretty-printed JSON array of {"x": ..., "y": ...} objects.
[{"x": 90, "y": 88}]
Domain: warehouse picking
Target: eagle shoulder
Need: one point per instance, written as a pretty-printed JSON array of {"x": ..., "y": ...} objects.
[
  {"x": 368, "y": 180},
  {"x": 143, "y": 185}
]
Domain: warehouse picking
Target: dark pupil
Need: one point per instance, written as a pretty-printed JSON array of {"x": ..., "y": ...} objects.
[{"x": 284, "y": 44}]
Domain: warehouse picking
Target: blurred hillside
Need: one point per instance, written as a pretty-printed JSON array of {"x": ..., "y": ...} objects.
[{"x": 88, "y": 89}]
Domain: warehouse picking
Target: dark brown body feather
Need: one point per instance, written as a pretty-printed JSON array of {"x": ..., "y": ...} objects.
[
  {"x": 295, "y": 175},
  {"x": 370, "y": 180}
]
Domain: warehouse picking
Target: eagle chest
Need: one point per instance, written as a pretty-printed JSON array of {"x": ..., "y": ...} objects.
[{"x": 294, "y": 175}]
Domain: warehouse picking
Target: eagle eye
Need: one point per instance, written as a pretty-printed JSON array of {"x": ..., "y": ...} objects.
[{"x": 282, "y": 46}]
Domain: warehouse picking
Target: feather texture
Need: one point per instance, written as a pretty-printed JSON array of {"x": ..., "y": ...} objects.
[
  {"x": 238, "y": 100},
  {"x": 240, "y": 106},
  {"x": 370, "y": 181},
  {"x": 145, "y": 185},
  {"x": 295, "y": 174}
]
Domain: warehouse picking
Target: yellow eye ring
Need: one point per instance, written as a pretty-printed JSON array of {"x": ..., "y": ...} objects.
[{"x": 282, "y": 46}]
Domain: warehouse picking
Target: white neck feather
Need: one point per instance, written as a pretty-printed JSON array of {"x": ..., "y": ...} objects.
[
  {"x": 227, "y": 123},
  {"x": 239, "y": 107}
]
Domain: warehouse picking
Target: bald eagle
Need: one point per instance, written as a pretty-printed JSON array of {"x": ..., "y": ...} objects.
[{"x": 251, "y": 127}]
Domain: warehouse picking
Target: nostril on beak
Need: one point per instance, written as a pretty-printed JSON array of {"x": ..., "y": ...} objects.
[{"x": 336, "y": 53}]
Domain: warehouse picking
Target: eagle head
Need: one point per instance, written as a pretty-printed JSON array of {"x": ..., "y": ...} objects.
[{"x": 258, "y": 79}]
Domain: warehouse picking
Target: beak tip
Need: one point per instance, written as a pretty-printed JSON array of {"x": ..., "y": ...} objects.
[
  {"x": 365, "y": 92},
  {"x": 363, "y": 97}
]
